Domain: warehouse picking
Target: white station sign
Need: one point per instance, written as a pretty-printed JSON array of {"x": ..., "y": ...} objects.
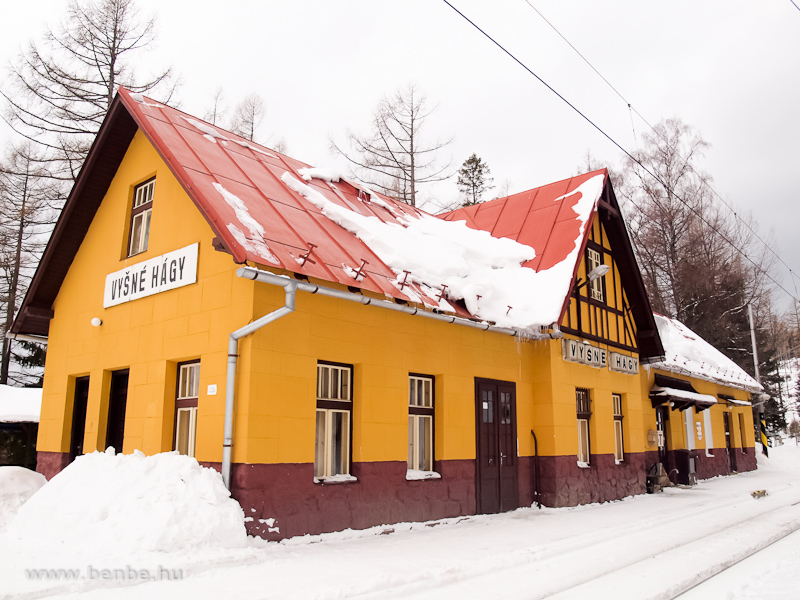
[
  {"x": 153, "y": 276},
  {"x": 624, "y": 363},
  {"x": 586, "y": 354}
]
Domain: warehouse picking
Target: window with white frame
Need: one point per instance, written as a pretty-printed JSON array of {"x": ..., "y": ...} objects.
[
  {"x": 594, "y": 260},
  {"x": 619, "y": 453},
  {"x": 334, "y": 412},
  {"x": 583, "y": 406},
  {"x": 420, "y": 422},
  {"x": 141, "y": 211},
  {"x": 186, "y": 407}
]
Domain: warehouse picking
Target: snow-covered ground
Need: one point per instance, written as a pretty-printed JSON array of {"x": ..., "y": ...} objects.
[{"x": 652, "y": 546}]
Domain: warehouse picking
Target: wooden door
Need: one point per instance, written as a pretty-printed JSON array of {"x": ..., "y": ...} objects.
[
  {"x": 80, "y": 401},
  {"x": 729, "y": 443},
  {"x": 661, "y": 425},
  {"x": 117, "y": 402},
  {"x": 496, "y": 463}
]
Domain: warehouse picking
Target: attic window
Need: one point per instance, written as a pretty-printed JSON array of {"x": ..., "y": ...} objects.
[
  {"x": 140, "y": 217},
  {"x": 594, "y": 260}
]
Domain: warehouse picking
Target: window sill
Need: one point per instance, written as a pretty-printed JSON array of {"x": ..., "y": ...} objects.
[
  {"x": 415, "y": 475},
  {"x": 584, "y": 465},
  {"x": 335, "y": 479}
]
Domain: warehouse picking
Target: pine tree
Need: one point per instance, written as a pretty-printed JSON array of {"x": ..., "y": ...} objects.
[{"x": 474, "y": 178}]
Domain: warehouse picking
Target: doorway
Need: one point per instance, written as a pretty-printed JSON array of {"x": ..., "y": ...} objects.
[
  {"x": 80, "y": 401},
  {"x": 662, "y": 415},
  {"x": 117, "y": 402},
  {"x": 728, "y": 443},
  {"x": 496, "y": 482}
]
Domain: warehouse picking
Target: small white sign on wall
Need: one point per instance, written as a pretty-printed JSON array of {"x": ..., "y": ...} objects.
[
  {"x": 159, "y": 274},
  {"x": 212, "y": 390}
]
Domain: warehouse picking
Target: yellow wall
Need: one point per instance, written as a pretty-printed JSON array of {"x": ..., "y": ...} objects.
[
  {"x": 148, "y": 336},
  {"x": 383, "y": 347},
  {"x": 601, "y": 383}
]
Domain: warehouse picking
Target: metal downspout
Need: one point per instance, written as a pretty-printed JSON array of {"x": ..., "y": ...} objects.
[{"x": 290, "y": 286}]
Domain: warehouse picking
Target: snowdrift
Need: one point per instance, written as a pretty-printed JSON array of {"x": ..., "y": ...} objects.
[
  {"x": 17, "y": 484},
  {"x": 130, "y": 503}
]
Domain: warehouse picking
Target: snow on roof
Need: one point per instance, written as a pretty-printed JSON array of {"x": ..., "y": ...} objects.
[
  {"x": 279, "y": 212},
  {"x": 685, "y": 395},
  {"x": 20, "y": 405},
  {"x": 688, "y": 353}
]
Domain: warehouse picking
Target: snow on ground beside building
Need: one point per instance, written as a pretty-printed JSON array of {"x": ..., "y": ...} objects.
[
  {"x": 688, "y": 353},
  {"x": 20, "y": 405},
  {"x": 17, "y": 484},
  {"x": 132, "y": 503},
  {"x": 650, "y": 546}
]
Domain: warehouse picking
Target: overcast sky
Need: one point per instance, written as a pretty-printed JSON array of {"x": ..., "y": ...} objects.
[{"x": 729, "y": 68}]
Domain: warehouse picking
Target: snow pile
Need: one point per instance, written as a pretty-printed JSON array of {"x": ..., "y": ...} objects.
[
  {"x": 20, "y": 405},
  {"x": 130, "y": 503},
  {"x": 17, "y": 484},
  {"x": 256, "y": 242},
  {"x": 686, "y": 352},
  {"x": 326, "y": 174},
  {"x": 470, "y": 265},
  {"x": 210, "y": 133}
]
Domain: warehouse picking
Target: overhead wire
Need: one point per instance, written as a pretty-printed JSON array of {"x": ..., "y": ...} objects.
[
  {"x": 795, "y": 4},
  {"x": 623, "y": 150},
  {"x": 747, "y": 225}
]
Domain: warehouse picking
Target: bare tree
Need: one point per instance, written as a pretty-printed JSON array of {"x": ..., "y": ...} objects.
[
  {"x": 216, "y": 112},
  {"x": 394, "y": 158},
  {"x": 57, "y": 93},
  {"x": 248, "y": 116},
  {"x": 504, "y": 189},
  {"x": 26, "y": 220},
  {"x": 701, "y": 263}
]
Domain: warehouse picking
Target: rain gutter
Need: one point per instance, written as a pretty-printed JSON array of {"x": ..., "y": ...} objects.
[
  {"x": 292, "y": 286},
  {"x": 39, "y": 339}
]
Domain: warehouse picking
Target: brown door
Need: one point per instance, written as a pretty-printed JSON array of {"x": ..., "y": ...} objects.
[
  {"x": 117, "y": 401},
  {"x": 661, "y": 425},
  {"x": 79, "y": 417},
  {"x": 728, "y": 443},
  {"x": 496, "y": 416}
]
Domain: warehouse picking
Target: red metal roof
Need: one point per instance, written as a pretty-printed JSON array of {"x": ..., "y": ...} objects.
[
  {"x": 201, "y": 155},
  {"x": 541, "y": 218},
  {"x": 204, "y": 157}
]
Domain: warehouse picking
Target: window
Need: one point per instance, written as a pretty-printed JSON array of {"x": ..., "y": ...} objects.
[
  {"x": 334, "y": 408},
  {"x": 420, "y": 422},
  {"x": 186, "y": 407},
  {"x": 594, "y": 260},
  {"x": 584, "y": 414},
  {"x": 140, "y": 217},
  {"x": 619, "y": 454}
]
